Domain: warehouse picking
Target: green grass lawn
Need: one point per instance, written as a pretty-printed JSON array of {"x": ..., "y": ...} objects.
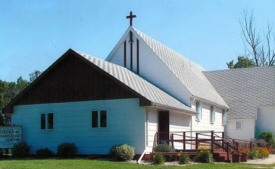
[{"x": 101, "y": 164}]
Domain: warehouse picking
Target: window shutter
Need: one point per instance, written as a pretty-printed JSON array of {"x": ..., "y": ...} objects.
[
  {"x": 198, "y": 109},
  {"x": 212, "y": 114},
  {"x": 223, "y": 117}
]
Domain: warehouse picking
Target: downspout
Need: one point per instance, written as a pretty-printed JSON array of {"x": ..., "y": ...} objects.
[{"x": 140, "y": 158}]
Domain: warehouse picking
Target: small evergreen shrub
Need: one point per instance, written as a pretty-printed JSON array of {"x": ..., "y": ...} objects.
[
  {"x": 43, "y": 153},
  {"x": 267, "y": 136},
  {"x": 21, "y": 150},
  {"x": 163, "y": 148},
  {"x": 184, "y": 159},
  {"x": 158, "y": 159},
  {"x": 122, "y": 152},
  {"x": 204, "y": 156},
  {"x": 66, "y": 150}
]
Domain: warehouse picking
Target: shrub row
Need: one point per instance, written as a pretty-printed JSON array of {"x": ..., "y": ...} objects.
[
  {"x": 68, "y": 150},
  {"x": 64, "y": 150}
]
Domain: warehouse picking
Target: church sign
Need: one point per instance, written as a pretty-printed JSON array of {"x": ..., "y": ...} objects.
[{"x": 9, "y": 135}]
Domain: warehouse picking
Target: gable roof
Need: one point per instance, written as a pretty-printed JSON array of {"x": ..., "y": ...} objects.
[
  {"x": 138, "y": 84},
  {"x": 245, "y": 89},
  {"x": 187, "y": 72},
  {"x": 123, "y": 76}
]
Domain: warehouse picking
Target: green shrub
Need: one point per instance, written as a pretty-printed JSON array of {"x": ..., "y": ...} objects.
[
  {"x": 158, "y": 159},
  {"x": 267, "y": 136},
  {"x": 43, "y": 153},
  {"x": 262, "y": 152},
  {"x": 163, "y": 148},
  {"x": 252, "y": 154},
  {"x": 258, "y": 152},
  {"x": 122, "y": 152},
  {"x": 21, "y": 150},
  {"x": 184, "y": 159},
  {"x": 204, "y": 156},
  {"x": 66, "y": 150}
]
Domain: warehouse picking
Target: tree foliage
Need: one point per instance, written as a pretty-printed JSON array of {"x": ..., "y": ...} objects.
[
  {"x": 243, "y": 62},
  {"x": 8, "y": 91}
]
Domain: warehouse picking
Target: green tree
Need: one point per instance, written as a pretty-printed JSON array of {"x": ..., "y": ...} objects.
[
  {"x": 243, "y": 62},
  {"x": 8, "y": 91}
]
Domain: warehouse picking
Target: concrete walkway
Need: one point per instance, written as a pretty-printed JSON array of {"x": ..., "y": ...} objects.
[{"x": 269, "y": 160}]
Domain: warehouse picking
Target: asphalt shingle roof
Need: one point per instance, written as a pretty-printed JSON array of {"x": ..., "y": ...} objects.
[
  {"x": 189, "y": 73},
  {"x": 138, "y": 84},
  {"x": 245, "y": 89}
]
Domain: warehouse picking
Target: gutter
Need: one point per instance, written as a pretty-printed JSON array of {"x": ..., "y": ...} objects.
[{"x": 184, "y": 111}]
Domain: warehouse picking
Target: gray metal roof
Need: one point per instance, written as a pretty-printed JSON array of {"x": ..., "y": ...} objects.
[
  {"x": 245, "y": 89},
  {"x": 138, "y": 84},
  {"x": 189, "y": 73}
]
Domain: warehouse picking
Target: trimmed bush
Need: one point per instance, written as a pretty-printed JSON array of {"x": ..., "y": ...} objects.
[
  {"x": 158, "y": 159},
  {"x": 267, "y": 136},
  {"x": 163, "y": 148},
  {"x": 204, "y": 156},
  {"x": 122, "y": 152},
  {"x": 21, "y": 150},
  {"x": 184, "y": 159},
  {"x": 66, "y": 150},
  {"x": 43, "y": 153}
]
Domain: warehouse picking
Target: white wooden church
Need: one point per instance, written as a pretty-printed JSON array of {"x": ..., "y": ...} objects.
[{"x": 143, "y": 87}]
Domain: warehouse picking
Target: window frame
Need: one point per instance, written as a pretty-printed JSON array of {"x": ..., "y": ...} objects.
[
  {"x": 212, "y": 114},
  {"x": 99, "y": 119},
  {"x": 240, "y": 126},
  {"x": 46, "y": 121}
]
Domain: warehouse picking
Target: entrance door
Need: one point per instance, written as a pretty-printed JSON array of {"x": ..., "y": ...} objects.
[{"x": 163, "y": 127}]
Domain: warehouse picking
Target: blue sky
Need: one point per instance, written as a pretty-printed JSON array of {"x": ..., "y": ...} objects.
[{"x": 33, "y": 34}]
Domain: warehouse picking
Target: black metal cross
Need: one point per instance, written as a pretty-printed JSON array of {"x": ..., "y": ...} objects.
[{"x": 131, "y": 16}]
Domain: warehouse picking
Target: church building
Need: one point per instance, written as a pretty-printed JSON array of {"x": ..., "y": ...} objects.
[{"x": 142, "y": 88}]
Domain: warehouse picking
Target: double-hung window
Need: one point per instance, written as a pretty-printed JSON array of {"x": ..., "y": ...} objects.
[
  {"x": 47, "y": 121},
  {"x": 99, "y": 118}
]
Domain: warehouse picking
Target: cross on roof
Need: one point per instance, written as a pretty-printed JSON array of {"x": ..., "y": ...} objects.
[{"x": 131, "y": 16}]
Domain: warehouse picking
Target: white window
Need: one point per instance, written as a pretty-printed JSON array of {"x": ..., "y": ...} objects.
[
  {"x": 212, "y": 114},
  {"x": 239, "y": 125},
  {"x": 99, "y": 118},
  {"x": 198, "y": 109},
  {"x": 47, "y": 121},
  {"x": 223, "y": 117}
]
